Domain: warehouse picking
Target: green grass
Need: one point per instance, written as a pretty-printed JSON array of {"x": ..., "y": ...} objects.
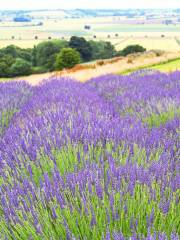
[
  {"x": 167, "y": 66},
  {"x": 155, "y": 120}
]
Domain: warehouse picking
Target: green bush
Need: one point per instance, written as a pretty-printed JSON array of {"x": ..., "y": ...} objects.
[
  {"x": 5, "y": 63},
  {"x": 102, "y": 50},
  {"x": 10, "y": 50},
  {"x": 20, "y": 67},
  {"x": 39, "y": 69},
  {"x": 82, "y": 46},
  {"x": 67, "y": 58},
  {"x": 132, "y": 49},
  {"x": 44, "y": 53},
  {"x": 17, "y": 52},
  {"x": 3, "y": 69}
]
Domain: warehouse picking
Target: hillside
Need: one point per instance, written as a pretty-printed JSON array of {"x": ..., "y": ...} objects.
[{"x": 121, "y": 66}]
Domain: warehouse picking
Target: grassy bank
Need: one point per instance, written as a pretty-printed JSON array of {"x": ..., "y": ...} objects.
[{"x": 166, "y": 66}]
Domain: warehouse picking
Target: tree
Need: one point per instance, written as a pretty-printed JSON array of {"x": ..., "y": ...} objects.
[
  {"x": 17, "y": 52},
  {"x": 50, "y": 65},
  {"x": 132, "y": 49},
  {"x": 34, "y": 56},
  {"x": 45, "y": 50},
  {"x": 82, "y": 46},
  {"x": 5, "y": 63},
  {"x": 3, "y": 69},
  {"x": 8, "y": 59},
  {"x": 109, "y": 50},
  {"x": 67, "y": 58},
  {"x": 102, "y": 50},
  {"x": 20, "y": 67},
  {"x": 25, "y": 54},
  {"x": 11, "y": 50}
]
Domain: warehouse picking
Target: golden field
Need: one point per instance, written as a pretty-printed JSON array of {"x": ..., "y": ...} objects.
[{"x": 147, "y": 35}]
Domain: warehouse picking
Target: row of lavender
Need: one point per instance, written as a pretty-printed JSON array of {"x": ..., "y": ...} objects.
[
  {"x": 98, "y": 160},
  {"x": 12, "y": 97}
]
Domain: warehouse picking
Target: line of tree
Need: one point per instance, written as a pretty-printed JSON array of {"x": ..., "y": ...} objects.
[{"x": 56, "y": 55}]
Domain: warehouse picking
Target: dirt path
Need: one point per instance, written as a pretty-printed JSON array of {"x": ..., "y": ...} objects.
[{"x": 120, "y": 66}]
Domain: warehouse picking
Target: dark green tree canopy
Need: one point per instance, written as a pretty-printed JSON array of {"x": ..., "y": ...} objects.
[
  {"x": 82, "y": 46},
  {"x": 45, "y": 50},
  {"x": 20, "y": 67},
  {"x": 5, "y": 63},
  {"x": 102, "y": 50},
  {"x": 17, "y": 52},
  {"x": 57, "y": 54},
  {"x": 67, "y": 58},
  {"x": 132, "y": 49}
]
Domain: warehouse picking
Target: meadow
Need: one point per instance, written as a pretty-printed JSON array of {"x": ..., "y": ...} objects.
[{"x": 97, "y": 160}]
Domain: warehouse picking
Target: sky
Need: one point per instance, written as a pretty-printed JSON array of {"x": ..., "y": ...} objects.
[{"x": 71, "y": 4}]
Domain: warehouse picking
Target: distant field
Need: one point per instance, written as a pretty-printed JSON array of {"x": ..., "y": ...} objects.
[
  {"x": 167, "y": 43},
  {"x": 137, "y": 28},
  {"x": 148, "y": 35}
]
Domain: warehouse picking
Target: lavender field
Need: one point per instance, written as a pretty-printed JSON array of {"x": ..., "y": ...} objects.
[{"x": 91, "y": 161}]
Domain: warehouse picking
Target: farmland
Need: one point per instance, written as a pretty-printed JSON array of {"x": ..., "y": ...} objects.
[
  {"x": 94, "y": 160},
  {"x": 167, "y": 44},
  {"x": 90, "y": 139},
  {"x": 120, "y": 32}
]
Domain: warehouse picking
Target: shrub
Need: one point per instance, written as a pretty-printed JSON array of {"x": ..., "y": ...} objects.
[
  {"x": 17, "y": 52},
  {"x": 5, "y": 62},
  {"x": 3, "y": 69},
  {"x": 82, "y": 46},
  {"x": 100, "y": 63},
  {"x": 45, "y": 51},
  {"x": 102, "y": 50},
  {"x": 38, "y": 70},
  {"x": 132, "y": 49},
  {"x": 67, "y": 58},
  {"x": 20, "y": 67},
  {"x": 130, "y": 60}
]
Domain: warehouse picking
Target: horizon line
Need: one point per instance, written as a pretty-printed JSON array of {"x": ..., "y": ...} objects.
[{"x": 110, "y": 9}]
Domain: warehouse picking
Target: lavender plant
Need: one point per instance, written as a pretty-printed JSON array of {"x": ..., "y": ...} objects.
[
  {"x": 12, "y": 97},
  {"x": 83, "y": 161}
]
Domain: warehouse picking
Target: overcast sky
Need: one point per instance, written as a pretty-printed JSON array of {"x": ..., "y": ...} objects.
[{"x": 70, "y": 4}]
